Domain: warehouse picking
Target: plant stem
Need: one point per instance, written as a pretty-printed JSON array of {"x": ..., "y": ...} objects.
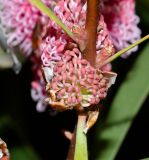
[
  {"x": 92, "y": 16},
  {"x": 47, "y": 11},
  {"x": 118, "y": 54},
  {"x": 81, "y": 140},
  {"x": 91, "y": 29}
]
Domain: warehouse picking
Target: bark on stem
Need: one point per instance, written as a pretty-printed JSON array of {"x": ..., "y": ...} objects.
[
  {"x": 71, "y": 151},
  {"x": 91, "y": 29}
]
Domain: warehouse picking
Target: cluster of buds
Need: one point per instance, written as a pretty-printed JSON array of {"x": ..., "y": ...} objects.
[
  {"x": 75, "y": 83},
  {"x": 4, "y": 153}
]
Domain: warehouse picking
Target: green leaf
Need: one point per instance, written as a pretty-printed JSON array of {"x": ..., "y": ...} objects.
[
  {"x": 124, "y": 50},
  {"x": 143, "y": 11},
  {"x": 124, "y": 108},
  {"x": 23, "y": 153}
]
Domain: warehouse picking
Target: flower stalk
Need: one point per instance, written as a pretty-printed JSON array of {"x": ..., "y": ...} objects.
[
  {"x": 81, "y": 152},
  {"x": 92, "y": 18}
]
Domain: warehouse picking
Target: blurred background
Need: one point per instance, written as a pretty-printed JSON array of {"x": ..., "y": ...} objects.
[{"x": 31, "y": 135}]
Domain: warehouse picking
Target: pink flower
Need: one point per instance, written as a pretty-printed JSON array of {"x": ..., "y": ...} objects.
[
  {"x": 75, "y": 83},
  {"x": 73, "y": 14},
  {"x": 71, "y": 81},
  {"x": 38, "y": 92},
  {"x": 119, "y": 22},
  {"x": 18, "y": 19},
  {"x": 122, "y": 23},
  {"x": 53, "y": 46},
  {"x": 104, "y": 44}
]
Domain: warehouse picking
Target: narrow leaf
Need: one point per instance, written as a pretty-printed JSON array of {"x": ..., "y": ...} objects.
[
  {"x": 118, "y": 54},
  {"x": 124, "y": 108}
]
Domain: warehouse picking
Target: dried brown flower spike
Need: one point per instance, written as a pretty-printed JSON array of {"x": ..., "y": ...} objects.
[{"x": 4, "y": 153}]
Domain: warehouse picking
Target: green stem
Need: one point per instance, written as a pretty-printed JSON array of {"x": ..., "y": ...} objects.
[
  {"x": 47, "y": 11},
  {"x": 81, "y": 152},
  {"x": 71, "y": 151},
  {"x": 118, "y": 54}
]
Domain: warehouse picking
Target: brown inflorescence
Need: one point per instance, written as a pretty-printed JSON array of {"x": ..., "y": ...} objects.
[{"x": 4, "y": 153}]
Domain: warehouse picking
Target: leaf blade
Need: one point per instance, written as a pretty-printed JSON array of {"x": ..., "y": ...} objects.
[{"x": 125, "y": 107}]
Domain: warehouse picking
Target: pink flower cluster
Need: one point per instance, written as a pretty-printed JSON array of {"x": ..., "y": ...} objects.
[
  {"x": 18, "y": 19},
  {"x": 73, "y": 15},
  {"x": 38, "y": 92},
  {"x": 76, "y": 84},
  {"x": 71, "y": 12},
  {"x": 71, "y": 81},
  {"x": 122, "y": 23},
  {"x": 73, "y": 84},
  {"x": 53, "y": 45}
]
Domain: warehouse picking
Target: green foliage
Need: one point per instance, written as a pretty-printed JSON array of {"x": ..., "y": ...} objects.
[
  {"x": 143, "y": 11},
  {"x": 23, "y": 153},
  {"x": 125, "y": 106}
]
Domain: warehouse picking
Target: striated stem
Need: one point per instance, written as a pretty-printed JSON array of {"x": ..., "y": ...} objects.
[
  {"x": 81, "y": 152},
  {"x": 118, "y": 54},
  {"x": 91, "y": 29}
]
